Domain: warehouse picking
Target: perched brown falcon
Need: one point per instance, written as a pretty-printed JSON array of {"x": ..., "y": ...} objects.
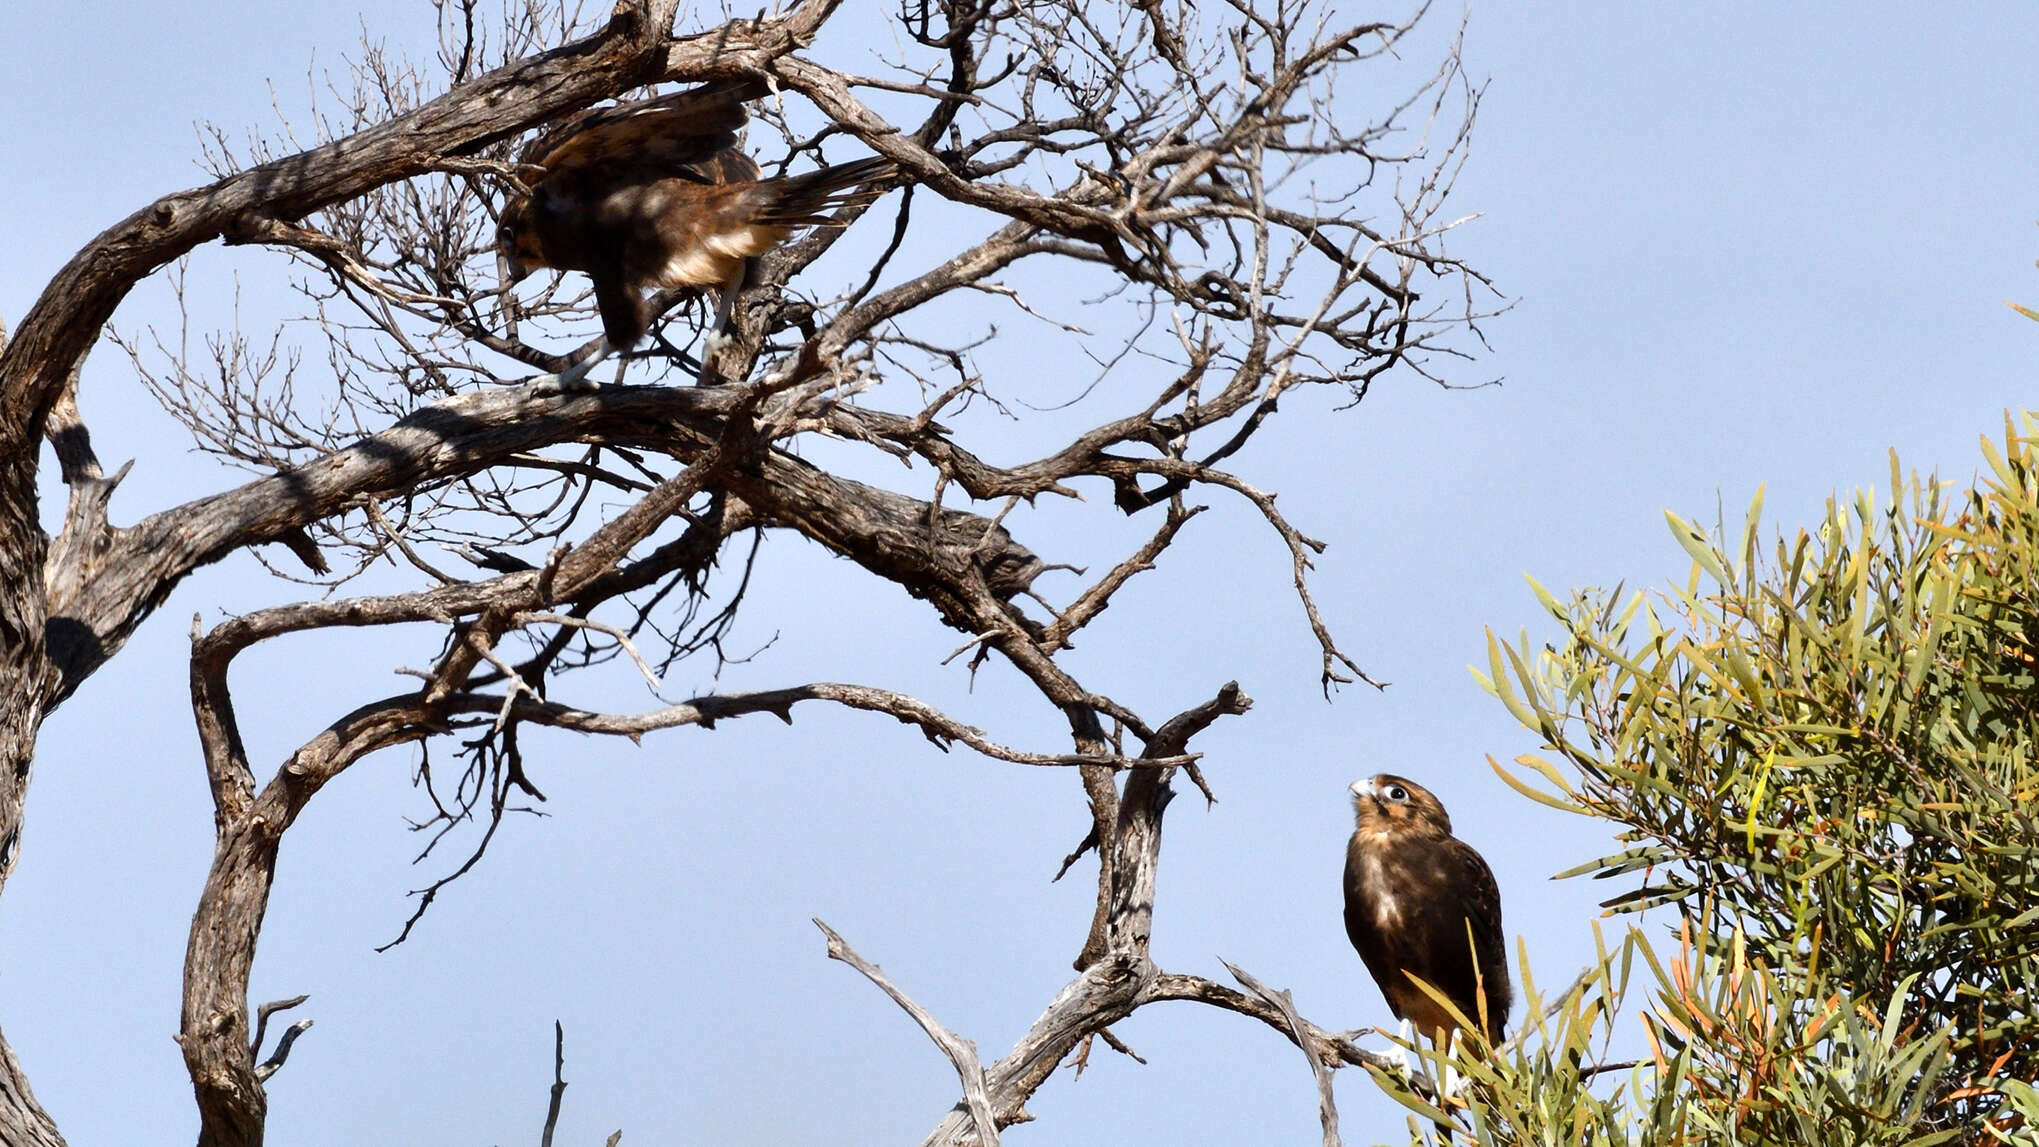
[
  {"x": 658, "y": 193},
  {"x": 1420, "y": 902}
]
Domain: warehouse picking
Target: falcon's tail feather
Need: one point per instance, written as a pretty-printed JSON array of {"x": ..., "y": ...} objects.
[{"x": 798, "y": 200}]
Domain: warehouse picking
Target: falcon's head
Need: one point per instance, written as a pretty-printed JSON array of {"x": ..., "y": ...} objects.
[
  {"x": 517, "y": 241},
  {"x": 1392, "y": 805}
]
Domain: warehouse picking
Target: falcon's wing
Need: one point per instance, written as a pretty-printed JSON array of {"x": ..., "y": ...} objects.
[
  {"x": 1467, "y": 899},
  {"x": 681, "y": 134}
]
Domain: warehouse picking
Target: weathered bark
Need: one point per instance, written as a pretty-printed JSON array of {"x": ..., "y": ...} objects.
[
  {"x": 22, "y": 1119},
  {"x": 22, "y": 665},
  {"x": 23, "y": 673}
]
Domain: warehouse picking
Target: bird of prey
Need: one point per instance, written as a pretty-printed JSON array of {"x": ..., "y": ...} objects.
[
  {"x": 658, "y": 193},
  {"x": 1420, "y": 902}
]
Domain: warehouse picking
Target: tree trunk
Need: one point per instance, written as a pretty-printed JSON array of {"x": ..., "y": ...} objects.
[{"x": 23, "y": 673}]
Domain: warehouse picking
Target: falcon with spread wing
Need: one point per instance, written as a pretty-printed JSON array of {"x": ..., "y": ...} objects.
[
  {"x": 658, "y": 193},
  {"x": 1420, "y": 902}
]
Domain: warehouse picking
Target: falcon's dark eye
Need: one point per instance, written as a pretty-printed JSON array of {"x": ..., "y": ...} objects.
[
  {"x": 1395, "y": 793},
  {"x": 506, "y": 235}
]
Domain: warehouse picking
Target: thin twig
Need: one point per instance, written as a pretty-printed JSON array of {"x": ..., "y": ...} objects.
[{"x": 558, "y": 1083}]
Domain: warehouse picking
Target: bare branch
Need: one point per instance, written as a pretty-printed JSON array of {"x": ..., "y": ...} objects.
[
  {"x": 1281, "y": 1001},
  {"x": 274, "y": 1063},
  {"x": 262, "y": 1015},
  {"x": 939, "y": 728},
  {"x": 1317, "y": 1042},
  {"x": 961, "y": 1052}
]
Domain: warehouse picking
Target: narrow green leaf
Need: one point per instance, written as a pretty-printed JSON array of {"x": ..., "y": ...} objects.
[
  {"x": 1536, "y": 795},
  {"x": 1693, "y": 539}
]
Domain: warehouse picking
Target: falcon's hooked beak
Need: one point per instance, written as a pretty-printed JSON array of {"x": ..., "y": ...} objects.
[
  {"x": 1362, "y": 790},
  {"x": 510, "y": 269}
]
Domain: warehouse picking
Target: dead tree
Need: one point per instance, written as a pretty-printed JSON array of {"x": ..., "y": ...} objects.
[{"x": 1249, "y": 232}]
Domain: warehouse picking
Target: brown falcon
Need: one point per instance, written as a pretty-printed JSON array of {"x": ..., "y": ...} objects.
[
  {"x": 1420, "y": 902},
  {"x": 658, "y": 193}
]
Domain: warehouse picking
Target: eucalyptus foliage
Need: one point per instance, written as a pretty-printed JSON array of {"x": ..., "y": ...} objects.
[{"x": 1819, "y": 755}]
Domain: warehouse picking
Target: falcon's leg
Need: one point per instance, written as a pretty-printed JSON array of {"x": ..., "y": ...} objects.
[
  {"x": 575, "y": 377},
  {"x": 717, "y": 338}
]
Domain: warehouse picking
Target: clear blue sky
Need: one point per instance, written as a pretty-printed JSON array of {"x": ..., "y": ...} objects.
[{"x": 1752, "y": 244}]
